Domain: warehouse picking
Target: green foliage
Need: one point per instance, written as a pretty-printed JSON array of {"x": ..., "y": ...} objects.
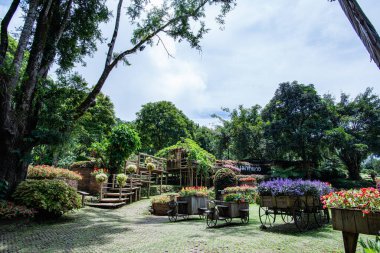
[
  {"x": 224, "y": 178},
  {"x": 131, "y": 169},
  {"x": 356, "y": 130},
  {"x": 150, "y": 167},
  {"x": 296, "y": 120},
  {"x": 206, "y": 138},
  {"x": 161, "y": 124},
  {"x": 342, "y": 183},
  {"x": 370, "y": 246},
  {"x": 50, "y": 197},
  {"x": 3, "y": 189},
  {"x": 236, "y": 197},
  {"x": 154, "y": 190},
  {"x": 194, "y": 153},
  {"x": 121, "y": 179},
  {"x": 123, "y": 142}
]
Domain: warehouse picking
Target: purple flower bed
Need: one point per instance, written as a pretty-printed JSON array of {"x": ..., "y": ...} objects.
[{"x": 297, "y": 187}]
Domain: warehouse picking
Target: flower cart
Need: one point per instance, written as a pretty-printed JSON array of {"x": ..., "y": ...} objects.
[
  {"x": 295, "y": 201},
  {"x": 354, "y": 212},
  {"x": 191, "y": 201},
  {"x": 226, "y": 211}
]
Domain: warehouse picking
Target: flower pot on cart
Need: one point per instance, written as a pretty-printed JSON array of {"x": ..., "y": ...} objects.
[{"x": 352, "y": 222}]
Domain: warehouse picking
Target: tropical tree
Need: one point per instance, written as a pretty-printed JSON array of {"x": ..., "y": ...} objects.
[
  {"x": 296, "y": 120},
  {"x": 206, "y": 138},
  {"x": 161, "y": 124},
  {"x": 356, "y": 131},
  {"x": 63, "y": 32}
]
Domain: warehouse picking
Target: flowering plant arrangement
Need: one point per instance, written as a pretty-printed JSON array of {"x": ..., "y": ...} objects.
[
  {"x": 97, "y": 171},
  {"x": 297, "y": 187},
  {"x": 235, "y": 197},
  {"x": 247, "y": 179},
  {"x": 50, "y": 172},
  {"x": 101, "y": 178},
  {"x": 365, "y": 199},
  {"x": 242, "y": 188},
  {"x": 198, "y": 191},
  {"x": 9, "y": 210},
  {"x": 163, "y": 199}
]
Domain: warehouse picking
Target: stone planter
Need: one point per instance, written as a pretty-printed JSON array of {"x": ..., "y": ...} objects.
[
  {"x": 352, "y": 222},
  {"x": 194, "y": 203},
  {"x": 160, "y": 209}
]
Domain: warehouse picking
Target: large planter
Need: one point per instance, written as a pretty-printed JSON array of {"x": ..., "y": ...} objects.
[
  {"x": 232, "y": 209},
  {"x": 160, "y": 208},
  {"x": 194, "y": 203},
  {"x": 352, "y": 223},
  {"x": 288, "y": 201}
]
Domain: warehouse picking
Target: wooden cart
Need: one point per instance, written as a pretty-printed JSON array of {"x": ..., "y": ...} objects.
[
  {"x": 299, "y": 210},
  {"x": 186, "y": 206},
  {"x": 226, "y": 211}
]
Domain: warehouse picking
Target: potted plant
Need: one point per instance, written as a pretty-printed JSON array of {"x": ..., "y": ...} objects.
[
  {"x": 131, "y": 169},
  {"x": 121, "y": 180},
  {"x": 101, "y": 178},
  {"x": 354, "y": 212},
  {"x": 283, "y": 193},
  {"x": 160, "y": 204},
  {"x": 235, "y": 202}
]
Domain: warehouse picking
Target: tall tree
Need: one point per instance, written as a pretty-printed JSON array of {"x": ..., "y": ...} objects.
[
  {"x": 356, "y": 131},
  {"x": 64, "y": 31},
  {"x": 161, "y": 124},
  {"x": 297, "y": 118}
]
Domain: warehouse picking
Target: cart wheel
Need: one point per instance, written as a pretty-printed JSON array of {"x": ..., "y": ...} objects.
[
  {"x": 300, "y": 215},
  {"x": 267, "y": 218},
  {"x": 172, "y": 216},
  {"x": 245, "y": 219},
  {"x": 286, "y": 217},
  {"x": 210, "y": 220},
  {"x": 228, "y": 220},
  {"x": 322, "y": 217}
]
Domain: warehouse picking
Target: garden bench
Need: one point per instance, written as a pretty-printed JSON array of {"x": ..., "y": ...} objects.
[{"x": 83, "y": 194}]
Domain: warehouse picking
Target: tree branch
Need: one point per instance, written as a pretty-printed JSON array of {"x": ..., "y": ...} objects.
[
  {"x": 114, "y": 36},
  {"x": 163, "y": 44},
  {"x": 4, "y": 29},
  {"x": 90, "y": 99}
]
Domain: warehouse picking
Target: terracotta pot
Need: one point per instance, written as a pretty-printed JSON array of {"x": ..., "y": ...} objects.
[{"x": 160, "y": 209}]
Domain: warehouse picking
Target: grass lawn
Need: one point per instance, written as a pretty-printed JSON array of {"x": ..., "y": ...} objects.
[{"x": 131, "y": 229}]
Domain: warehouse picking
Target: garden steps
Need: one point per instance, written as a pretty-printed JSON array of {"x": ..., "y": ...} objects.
[
  {"x": 113, "y": 200},
  {"x": 116, "y": 194},
  {"x": 106, "y": 205}
]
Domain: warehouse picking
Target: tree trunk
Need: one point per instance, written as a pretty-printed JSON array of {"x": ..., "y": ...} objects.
[
  {"x": 353, "y": 170},
  {"x": 13, "y": 167}
]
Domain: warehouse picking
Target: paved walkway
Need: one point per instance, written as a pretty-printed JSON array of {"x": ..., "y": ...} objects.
[{"x": 131, "y": 229}]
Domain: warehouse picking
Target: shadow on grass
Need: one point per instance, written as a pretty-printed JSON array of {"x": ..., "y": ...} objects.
[{"x": 70, "y": 232}]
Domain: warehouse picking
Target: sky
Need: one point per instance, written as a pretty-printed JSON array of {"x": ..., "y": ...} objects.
[{"x": 263, "y": 43}]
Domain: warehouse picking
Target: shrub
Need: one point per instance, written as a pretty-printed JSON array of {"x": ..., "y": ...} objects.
[
  {"x": 50, "y": 172},
  {"x": 9, "y": 210},
  {"x": 50, "y": 198},
  {"x": 121, "y": 179},
  {"x": 370, "y": 246},
  {"x": 249, "y": 192},
  {"x": 131, "y": 169},
  {"x": 101, "y": 178},
  {"x": 350, "y": 184},
  {"x": 224, "y": 178},
  {"x": 153, "y": 190}
]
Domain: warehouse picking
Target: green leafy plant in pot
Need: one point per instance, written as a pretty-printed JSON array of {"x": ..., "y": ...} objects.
[
  {"x": 131, "y": 169},
  {"x": 101, "y": 178},
  {"x": 121, "y": 181}
]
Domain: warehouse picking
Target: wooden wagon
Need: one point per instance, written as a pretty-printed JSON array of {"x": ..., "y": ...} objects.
[
  {"x": 226, "y": 211},
  {"x": 186, "y": 206},
  {"x": 297, "y": 209}
]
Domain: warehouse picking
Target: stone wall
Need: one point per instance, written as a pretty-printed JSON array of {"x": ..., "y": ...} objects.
[{"x": 88, "y": 182}]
